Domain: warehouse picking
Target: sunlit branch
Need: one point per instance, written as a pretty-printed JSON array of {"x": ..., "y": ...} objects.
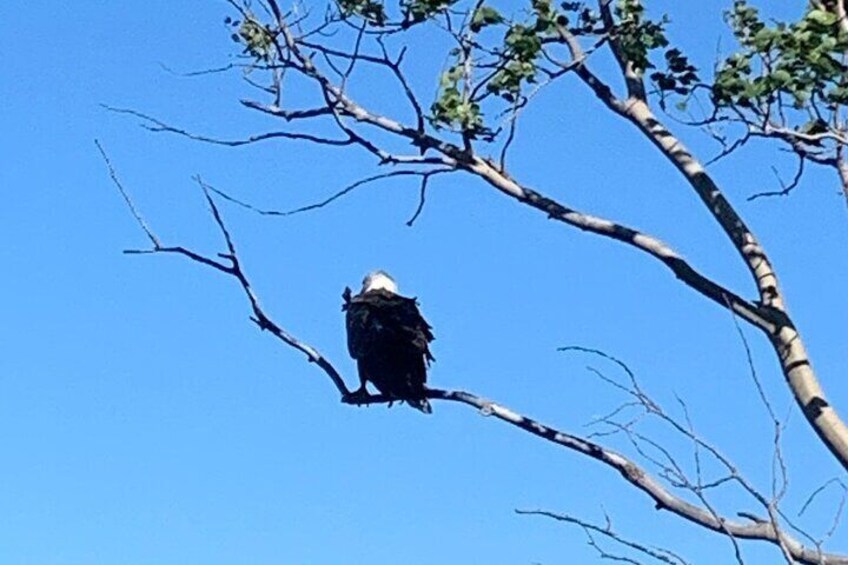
[{"x": 781, "y": 332}]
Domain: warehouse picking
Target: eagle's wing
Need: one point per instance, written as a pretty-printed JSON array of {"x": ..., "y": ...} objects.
[
  {"x": 381, "y": 316},
  {"x": 358, "y": 320},
  {"x": 407, "y": 317}
]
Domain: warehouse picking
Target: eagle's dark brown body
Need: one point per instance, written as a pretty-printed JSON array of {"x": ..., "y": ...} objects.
[{"x": 389, "y": 339}]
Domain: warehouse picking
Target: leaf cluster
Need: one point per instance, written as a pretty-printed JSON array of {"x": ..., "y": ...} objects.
[
  {"x": 638, "y": 37},
  {"x": 522, "y": 43},
  {"x": 372, "y": 11},
  {"x": 516, "y": 65},
  {"x": 454, "y": 108},
  {"x": 417, "y": 11},
  {"x": 522, "y": 47},
  {"x": 413, "y": 11},
  {"x": 801, "y": 61},
  {"x": 257, "y": 39}
]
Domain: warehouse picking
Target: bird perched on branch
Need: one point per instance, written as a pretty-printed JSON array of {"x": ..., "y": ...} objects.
[{"x": 389, "y": 339}]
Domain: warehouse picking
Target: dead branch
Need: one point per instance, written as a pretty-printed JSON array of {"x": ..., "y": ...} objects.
[
  {"x": 659, "y": 554},
  {"x": 668, "y": 467},
  {"x": 157, "y": 126},
  {"x": 425, "y": 176},
  {"x": 785, "y": 188}
]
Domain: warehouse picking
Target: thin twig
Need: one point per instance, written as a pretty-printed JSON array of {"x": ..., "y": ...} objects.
[
  {"x": 125, "y": 195},
  {"x": 157, "y": 126},
  {"x": 785, "y": 188},
  {"x": 659, "y": 554}
]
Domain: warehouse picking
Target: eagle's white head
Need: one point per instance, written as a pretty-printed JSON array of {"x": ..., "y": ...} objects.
[{"x": 379, "y": 280}]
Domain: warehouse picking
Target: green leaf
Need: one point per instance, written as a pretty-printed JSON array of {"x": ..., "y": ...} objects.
[
  {"x": 485, "y": 16},
  {"x": 782, "y": 77},
  {"x": 821, "y": 17}
]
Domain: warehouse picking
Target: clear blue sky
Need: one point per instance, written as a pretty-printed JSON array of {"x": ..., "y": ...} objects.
[{"x": 145, "y": 420}]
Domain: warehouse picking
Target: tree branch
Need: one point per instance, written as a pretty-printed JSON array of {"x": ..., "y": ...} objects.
[
  {"x": 157, "y": 126},
  {"x": 781, "y": 331},
  {"x": 662, "y": 555}
]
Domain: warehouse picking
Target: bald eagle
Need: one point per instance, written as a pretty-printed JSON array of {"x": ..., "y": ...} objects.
[{"x": 389, "y": 339}]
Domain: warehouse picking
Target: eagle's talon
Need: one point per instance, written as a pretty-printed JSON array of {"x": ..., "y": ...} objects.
[{"x": 358, "y": 397}]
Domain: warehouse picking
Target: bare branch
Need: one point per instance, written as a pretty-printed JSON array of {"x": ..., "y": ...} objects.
[
  {"x": 659, "y": 554},
  {"x": 154, "y": 125},
  {"x": 125, "y": 195},
  {"x": 839, "y": 509},
  {"x": 287, "y": 115},
  {"x": 424, "y": 175},
  {"x": 818, "y": 491},
  {"x": 669, "y": 469},
  {"x": 234, "y": 269},
  {"x": 785, "y": 189},
  {"x": 643, "y": 481},
  {"x": 407, "y": 89},
  {"x": 213, "y": 71},
  {"x": 422, "y": 195}
]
